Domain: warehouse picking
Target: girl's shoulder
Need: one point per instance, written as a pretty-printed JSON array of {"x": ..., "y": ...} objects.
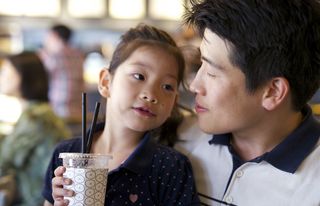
[
  {"x": 168, "y": 155},
  {"x": 69, "y": 145}
]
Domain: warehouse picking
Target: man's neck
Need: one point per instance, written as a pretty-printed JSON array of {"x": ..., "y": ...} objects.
[{"x": 251, "y": 144}]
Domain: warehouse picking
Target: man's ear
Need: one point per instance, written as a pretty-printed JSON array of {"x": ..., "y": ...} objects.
[
  {"x": 104, "y": 82},
  {"x": 276, "y": 92}
]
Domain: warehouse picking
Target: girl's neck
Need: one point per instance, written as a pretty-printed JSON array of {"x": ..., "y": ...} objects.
[
  {"x": 115, "y": 140},
  {"x": 120, "y": 144}
]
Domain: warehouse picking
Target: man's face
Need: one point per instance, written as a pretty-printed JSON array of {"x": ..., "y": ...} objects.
[{"x": 223, "y": 104}]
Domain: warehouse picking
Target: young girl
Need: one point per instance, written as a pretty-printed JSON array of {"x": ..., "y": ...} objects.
[{"x": 141, "y": 88}]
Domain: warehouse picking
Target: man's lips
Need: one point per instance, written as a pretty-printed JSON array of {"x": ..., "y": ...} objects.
[
  {"x": 200, "y": 108},
  {"x": 144, "y": 111}
]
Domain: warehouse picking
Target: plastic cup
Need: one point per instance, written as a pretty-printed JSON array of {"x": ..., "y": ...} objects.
[{"x": 89, "y": 173}]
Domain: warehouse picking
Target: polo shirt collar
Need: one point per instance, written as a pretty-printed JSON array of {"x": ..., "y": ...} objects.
[{"x": 289, "y": 154}]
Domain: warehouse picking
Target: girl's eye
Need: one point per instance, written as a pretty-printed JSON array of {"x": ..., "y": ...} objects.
[
  {"x": 138, "y": 76},
  {"x": 168, "y": 87}
]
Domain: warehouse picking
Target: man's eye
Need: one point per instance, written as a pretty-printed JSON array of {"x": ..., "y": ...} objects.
[
  {"x": 138, "y": 76},
  {"x": 211, "y": 75},
  {"x": 168, "y": 87}
]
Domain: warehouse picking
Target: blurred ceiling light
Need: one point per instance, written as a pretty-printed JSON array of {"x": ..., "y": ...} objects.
[
  {"x": 87, "y": 8},
  {"x": 11, "y": 40},
  {"x": 127, "y": 9},
  {"x": 93, "y": 64},
  {"x": 166, "y": 9},
  {"x": 10, "y": 109},
  {"x": 32, "y": 8}
]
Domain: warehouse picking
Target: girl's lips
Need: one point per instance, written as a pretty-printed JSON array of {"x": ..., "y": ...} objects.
[
  {"x": 144, "y": 111},
  {"x": 199, "y": 108}
]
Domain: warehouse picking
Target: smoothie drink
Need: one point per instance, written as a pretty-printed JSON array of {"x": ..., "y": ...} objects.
[{"x": 88, "y": 173}]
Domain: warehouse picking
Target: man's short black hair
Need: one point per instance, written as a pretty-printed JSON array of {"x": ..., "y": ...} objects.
[{"x": 268, "y": 38}]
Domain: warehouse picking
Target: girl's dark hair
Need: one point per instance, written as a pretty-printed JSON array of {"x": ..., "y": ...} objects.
[
  {"x": 268, "y": 38},
  {"x": 34, "y": 78},
  {"x": 144, "y": 35}
]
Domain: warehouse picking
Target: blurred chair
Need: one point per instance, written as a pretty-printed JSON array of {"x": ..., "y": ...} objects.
[{"x": 315, "y": 104}]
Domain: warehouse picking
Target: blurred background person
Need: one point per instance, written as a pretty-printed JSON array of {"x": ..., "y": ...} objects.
[
  {"x": 65, "y": 66},
  {"x": 25, "y": 153}
]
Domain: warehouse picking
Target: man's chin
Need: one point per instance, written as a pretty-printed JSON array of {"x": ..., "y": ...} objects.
[
  {"x": 205, "y": 127},
  {"x": 208, "y": 127}
]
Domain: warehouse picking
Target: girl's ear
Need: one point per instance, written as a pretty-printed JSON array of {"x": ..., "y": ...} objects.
[
  {"x": 276, "y": 93},
  {"x": 104, "y": 82}
]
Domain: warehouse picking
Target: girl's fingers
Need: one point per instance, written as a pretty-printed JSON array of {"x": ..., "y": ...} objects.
[
  {"x": 60, "y": 182},
  {"x": 59, "y": 171},
  {"x": 61, "y": 202},
  {"x": 60, "y": 193},
  {"x": 57, "y": 187}
]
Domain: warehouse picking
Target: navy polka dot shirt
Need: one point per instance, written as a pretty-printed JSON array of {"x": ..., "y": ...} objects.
[{"x": 153, "y": 175}]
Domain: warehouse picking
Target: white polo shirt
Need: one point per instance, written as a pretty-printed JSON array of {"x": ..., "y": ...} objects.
[{"x": 287, "y": 175}]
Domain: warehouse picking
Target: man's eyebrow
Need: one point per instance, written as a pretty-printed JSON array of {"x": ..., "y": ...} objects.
[{"x": 212, "y": 63}]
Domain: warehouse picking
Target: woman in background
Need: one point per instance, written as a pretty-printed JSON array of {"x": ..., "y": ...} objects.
[{"x": 25, "y": 152}]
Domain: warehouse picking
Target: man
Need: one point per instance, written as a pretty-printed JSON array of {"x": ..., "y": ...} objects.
[
  {"x": 260, "y": 66},
  {"x": 65, "y": 66}
]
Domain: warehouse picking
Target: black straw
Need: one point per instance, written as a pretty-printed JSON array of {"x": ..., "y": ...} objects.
[
  {"x": 93, "y": 126},
  {"x": 84, "y": 122}
]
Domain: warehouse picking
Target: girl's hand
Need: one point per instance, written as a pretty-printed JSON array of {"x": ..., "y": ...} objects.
[{"x": 58, "y": 193}]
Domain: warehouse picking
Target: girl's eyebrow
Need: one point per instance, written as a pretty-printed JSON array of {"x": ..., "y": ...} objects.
[{"x": 141, "y": 64}]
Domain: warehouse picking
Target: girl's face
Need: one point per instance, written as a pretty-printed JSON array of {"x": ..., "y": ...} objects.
[
  {"x": 143, "y": 90},
  {"x": 9, "y": 80}
]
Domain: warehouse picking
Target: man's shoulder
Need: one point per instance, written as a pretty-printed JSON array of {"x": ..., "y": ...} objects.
[{"x": 311, "y": 162}]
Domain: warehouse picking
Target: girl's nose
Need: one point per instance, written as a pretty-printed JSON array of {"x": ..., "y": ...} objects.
[{"x": 148, "y": 98}]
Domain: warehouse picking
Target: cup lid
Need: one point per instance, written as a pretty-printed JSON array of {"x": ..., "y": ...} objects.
[{"x": 83, "y": 155}]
